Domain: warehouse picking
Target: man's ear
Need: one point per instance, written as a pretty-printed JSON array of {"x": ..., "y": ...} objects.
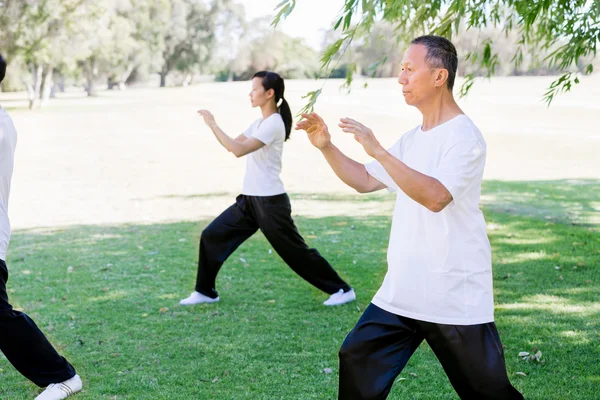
[{"x": 441, "y": 76}]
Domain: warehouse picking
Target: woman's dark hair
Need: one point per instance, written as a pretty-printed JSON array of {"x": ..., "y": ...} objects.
[{"x": 272, "y": 80}]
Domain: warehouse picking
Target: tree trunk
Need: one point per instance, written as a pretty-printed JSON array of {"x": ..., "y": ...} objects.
[
  {"x": 47, "y": 86},
  {"x": 163, "y": 77},
  {"x": 90, "y": 75},
  {"x": 110, "y": 83},
  {"x": 43, "y": 85},
  {"x": 126, "y": 75},
  {"x": 34, "y": 88},
  {"x": 53, "y": 91},
  {"x": 164, "y": 71}
]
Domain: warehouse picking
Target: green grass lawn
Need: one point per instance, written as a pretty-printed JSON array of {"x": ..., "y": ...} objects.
[{"x": 107, "y": 297}]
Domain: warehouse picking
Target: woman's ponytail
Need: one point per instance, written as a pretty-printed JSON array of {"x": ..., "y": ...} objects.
[{"x": 286, "y": 115}]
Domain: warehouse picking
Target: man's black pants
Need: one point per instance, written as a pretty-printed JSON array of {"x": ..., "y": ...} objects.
[
  {"x": 377, "y": 349},
  {"x": 25, "y": 346}
]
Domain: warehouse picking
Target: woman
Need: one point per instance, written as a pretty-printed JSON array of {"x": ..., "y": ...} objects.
[{"x": 263, "y": 203}]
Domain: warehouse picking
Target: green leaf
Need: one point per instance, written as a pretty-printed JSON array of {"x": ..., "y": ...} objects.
[
  {"x": 310, "y": 106},
  {"x": 466, "y": 86},
  {"x": 487, "y": 53},
  {"x": 589, "y": 69},
  {"x": 337, "y": 24},
  {"x": 349, "y": 77},
  {"x": 281, "y": 4},
  {"x": 347, "y": 20},
  {"x": 330, "y": 52},
  {"x": 286, "y": 8}
]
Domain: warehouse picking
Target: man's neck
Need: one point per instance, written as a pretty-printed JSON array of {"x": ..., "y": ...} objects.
[{"x": 441, "y": 109}]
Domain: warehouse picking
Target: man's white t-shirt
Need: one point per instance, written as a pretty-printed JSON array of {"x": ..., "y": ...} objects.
[
  {"x": 8, "y": 143},
  {"x": 263, "y": 166},
  {"x": 439, "y": 264}
]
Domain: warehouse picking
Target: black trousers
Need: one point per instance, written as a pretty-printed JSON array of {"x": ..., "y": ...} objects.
[
  {"x": 25, "y": 346},
  {"x": 377, "y": 349},
  {"x": 272, "y": 215}
]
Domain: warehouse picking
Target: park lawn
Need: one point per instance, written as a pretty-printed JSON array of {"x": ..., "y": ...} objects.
[{"x": 107, "y": 297}]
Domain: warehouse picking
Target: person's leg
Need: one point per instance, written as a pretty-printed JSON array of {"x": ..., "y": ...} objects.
[
  {"x": 273, "y": 215},
  {"x": 25, "y": 346},
  {"x": 219, "y": 240},
  {"x": 374, "y": 353},
  {"x": 473, "y": 359}
]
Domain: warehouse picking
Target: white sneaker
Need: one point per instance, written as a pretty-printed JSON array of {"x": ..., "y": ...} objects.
[
  {"x": 197, "y": 298},
  {"x": 340, "y": 298},
  {"x": 58, "y": 391}
]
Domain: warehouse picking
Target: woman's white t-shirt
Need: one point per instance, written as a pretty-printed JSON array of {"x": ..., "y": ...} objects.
[
  {"x": 439, "y": 264},
  {"x": 263, "y": 166}
]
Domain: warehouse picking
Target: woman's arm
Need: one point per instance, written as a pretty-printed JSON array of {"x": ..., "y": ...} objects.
[{"x": 235, "y": 146}]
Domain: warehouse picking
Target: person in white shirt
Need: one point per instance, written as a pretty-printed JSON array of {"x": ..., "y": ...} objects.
[
  {"x": 438, "y": 286},
  {"x": 263, "y": 203},
  {"x": 21, "y": 341}
]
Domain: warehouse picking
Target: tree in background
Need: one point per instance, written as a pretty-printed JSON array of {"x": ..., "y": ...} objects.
[
  {"x": 568, "y": 30},
  {"x": 262, "y": 48},
  {"x": 37, "y": 33},
  {"x": 190, "y": 38},
  {"x": 124, "y": 35},
  {"x": 138, "y": 32}
]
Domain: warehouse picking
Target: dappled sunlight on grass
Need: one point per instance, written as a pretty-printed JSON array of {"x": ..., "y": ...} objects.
[
  {"x": 577, "y": 337},
  {"x": 106, "y": 236},
  {"x": 567, "y": 201},
  {"x": 169, "y": 296},
  {"x": 557, "y": 307},
  {"x": 525, "y": 241},
  {"x": 590, "y": 290},
  {"x": 520, "y": 257},
  {"x": 115, "y": 295}
]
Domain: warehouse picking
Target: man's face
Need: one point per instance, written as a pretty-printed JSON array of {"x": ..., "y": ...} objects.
[{"x": 417, "y": 78}]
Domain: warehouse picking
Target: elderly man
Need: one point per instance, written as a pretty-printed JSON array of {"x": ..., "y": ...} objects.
[{"x": 438, "y": 286}]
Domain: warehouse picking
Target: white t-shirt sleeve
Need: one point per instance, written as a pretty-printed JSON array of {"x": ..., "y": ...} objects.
[
  {"x": 269, "y": 130},
  {"x": 377, "y": 171},
  {"x": 248, "y": 132},
  {"x": 461, "y": 167}
]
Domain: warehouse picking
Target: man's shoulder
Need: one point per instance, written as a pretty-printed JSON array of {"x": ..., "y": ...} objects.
[{"x": 464, "y": 129}]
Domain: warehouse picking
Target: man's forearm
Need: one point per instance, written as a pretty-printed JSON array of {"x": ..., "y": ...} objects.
[{"x": 423, "y": 189}]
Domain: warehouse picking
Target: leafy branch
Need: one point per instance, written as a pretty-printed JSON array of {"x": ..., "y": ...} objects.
[{"x": 569, "y": 29}]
